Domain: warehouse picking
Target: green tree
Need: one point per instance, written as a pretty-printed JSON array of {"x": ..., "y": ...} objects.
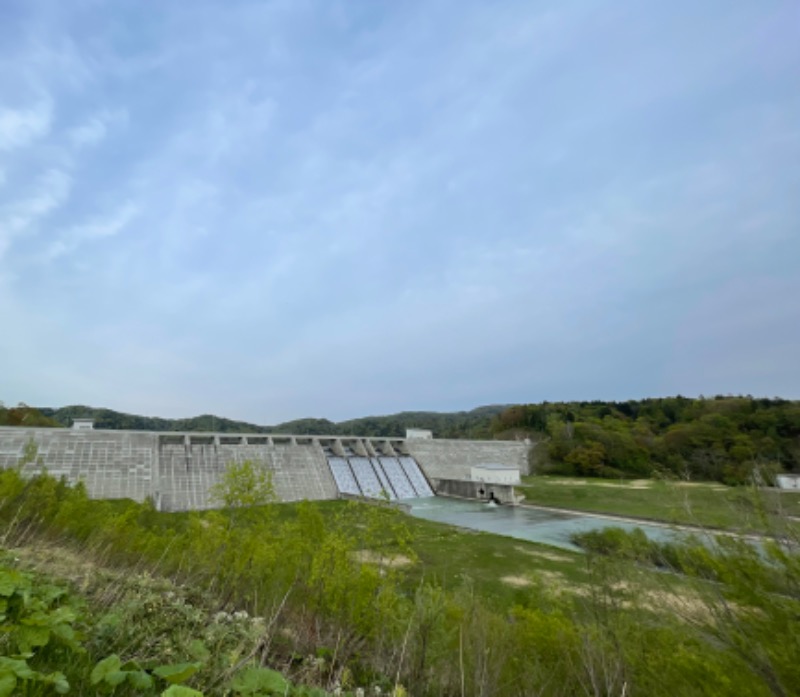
[
  {"x": 244, "y": 485},
  {"x": 588, "y": 460}
]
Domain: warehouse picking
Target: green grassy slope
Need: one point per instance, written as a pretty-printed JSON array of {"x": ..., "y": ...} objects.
[{"x": 703, "y": 504}]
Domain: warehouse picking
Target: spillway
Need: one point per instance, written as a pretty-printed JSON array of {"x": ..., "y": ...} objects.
[
  {"x": 343, "y": 476},
  {"x": 378, "y": 477},
  {"x": 415, "y": 476}
]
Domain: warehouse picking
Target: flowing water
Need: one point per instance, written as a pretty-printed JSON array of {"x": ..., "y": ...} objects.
[
  {"x": 523, "y": 523},
  {"x": 378, "y": 477}
]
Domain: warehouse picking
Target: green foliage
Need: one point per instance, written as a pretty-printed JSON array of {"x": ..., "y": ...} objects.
[
  {"x": 612, "y": 541},
  {"x": 725, "y": 439},
  {"x": 108, "y": 418},
  {"x": 750, "y": 592},
  {"x": 111, "y": 673},
  {"x": 744, "y": 508},
  {"x": 15, "y": 674},
  {"x": 244, "y": 485},
  {"x": 176, "y": 673},
  {"x": 36, "y": 627},
  {"x": 463, "y": 424},
  {"x": 23, "y": 415},
  {"x": 180, "y": 691},
  {"x": 259, "y": 681},
  {"x": 305, "y": 596},
  {"x": 474, "y": 424}
]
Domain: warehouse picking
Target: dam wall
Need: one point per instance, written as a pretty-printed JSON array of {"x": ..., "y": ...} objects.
[
  {"x": 112, "y": 464},
  {"x": 177, "y": 470},
  {"x": 191, "y": 464},
  {"x": 453, "y": 459}
]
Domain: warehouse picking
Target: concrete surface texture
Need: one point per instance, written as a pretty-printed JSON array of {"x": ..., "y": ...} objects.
[
  {"x": 112, "y": 464},
  {"x": 178, "y": 469},
  {"x": 454, "y": 459}
]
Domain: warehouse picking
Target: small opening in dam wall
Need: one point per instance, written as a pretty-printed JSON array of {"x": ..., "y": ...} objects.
[
  {"x": 258, "y": 440},
  {"x": 201, "y": 440},
  {"x": 171, "y": 440},
  {"x": 399, "y": 446},
  {"x": 228, "y": 440}
]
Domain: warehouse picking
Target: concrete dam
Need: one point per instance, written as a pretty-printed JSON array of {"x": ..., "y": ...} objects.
[{"x": 177, "y": 470}]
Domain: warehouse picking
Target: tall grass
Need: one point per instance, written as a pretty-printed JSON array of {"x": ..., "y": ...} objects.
[{"x": 290, "y": 588}]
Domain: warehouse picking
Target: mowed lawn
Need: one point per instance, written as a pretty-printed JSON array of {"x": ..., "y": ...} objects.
[{"x": 691, "y": 503}]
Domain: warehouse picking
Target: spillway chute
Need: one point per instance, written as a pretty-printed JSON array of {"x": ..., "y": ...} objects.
[{"x": 378, "y": 477}]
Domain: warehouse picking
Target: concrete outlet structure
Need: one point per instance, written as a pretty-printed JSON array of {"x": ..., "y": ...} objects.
[
  {"x": 177, "y": 470},
  {"x": 495, "y": 474}
]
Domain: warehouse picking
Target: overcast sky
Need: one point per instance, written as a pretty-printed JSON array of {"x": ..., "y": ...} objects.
[{"x": 271, "y": 210}]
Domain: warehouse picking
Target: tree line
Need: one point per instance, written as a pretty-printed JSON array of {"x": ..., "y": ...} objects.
[
  {"x": 474, "y": 424},
  {"x": 23, "y": 415},
  {"x": 725, "y": 439}
]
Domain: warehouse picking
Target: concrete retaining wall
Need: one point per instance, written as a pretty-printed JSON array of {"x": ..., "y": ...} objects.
[{"x": 453, "y": 459}]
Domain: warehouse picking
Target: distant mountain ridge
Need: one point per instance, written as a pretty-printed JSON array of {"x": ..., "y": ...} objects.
[{"x": 475, "y": 424}]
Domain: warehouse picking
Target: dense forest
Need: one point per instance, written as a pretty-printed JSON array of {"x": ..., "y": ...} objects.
[{"x": 721, "y": 438}]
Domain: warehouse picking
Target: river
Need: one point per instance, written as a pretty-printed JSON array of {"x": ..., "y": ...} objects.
[{"x": 524, "y": 523}]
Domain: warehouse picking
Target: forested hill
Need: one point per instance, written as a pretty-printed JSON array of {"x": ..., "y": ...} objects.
[
  {"x": 108, "y": 418},
  {"x": 722, "y": 438},
  {"x": 23, "y": 415},
  {"x": 475, "y": 424},
  {"x": 464, "y": 424}
]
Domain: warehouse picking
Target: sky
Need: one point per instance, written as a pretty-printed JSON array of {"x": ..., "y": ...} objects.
[{"x": 322, "y": 208}]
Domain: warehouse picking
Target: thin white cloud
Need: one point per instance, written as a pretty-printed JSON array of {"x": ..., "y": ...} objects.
[
  {"x": 76, "y": 236},
  {"x": 23, "y": 215},
  {"x": 95, "y": 129},
  {"x": 89, "y": 133},
  {"x": 20, "y": 127}
]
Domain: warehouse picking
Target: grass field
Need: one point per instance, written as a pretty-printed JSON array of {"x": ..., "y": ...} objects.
[
  {"x": 499, "y": 569},
  {"x": 704, "y": 504},
  {"x": 344, "y": 593}
]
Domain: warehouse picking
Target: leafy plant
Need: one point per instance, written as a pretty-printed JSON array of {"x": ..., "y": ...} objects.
[
  {"x": 244, "y": 485},
  {"x": 111, "y": 673},
  {"x": 259, "y": 681},
  {"x": 34, "y": 621}
]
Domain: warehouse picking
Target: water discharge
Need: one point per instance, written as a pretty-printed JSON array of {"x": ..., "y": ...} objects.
[
  {"x": 415, "y": 476},
  {"x": 522, "y": 523},
  {"x": 378, "y": 477},
  {"x": 343, "y": 476}
]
